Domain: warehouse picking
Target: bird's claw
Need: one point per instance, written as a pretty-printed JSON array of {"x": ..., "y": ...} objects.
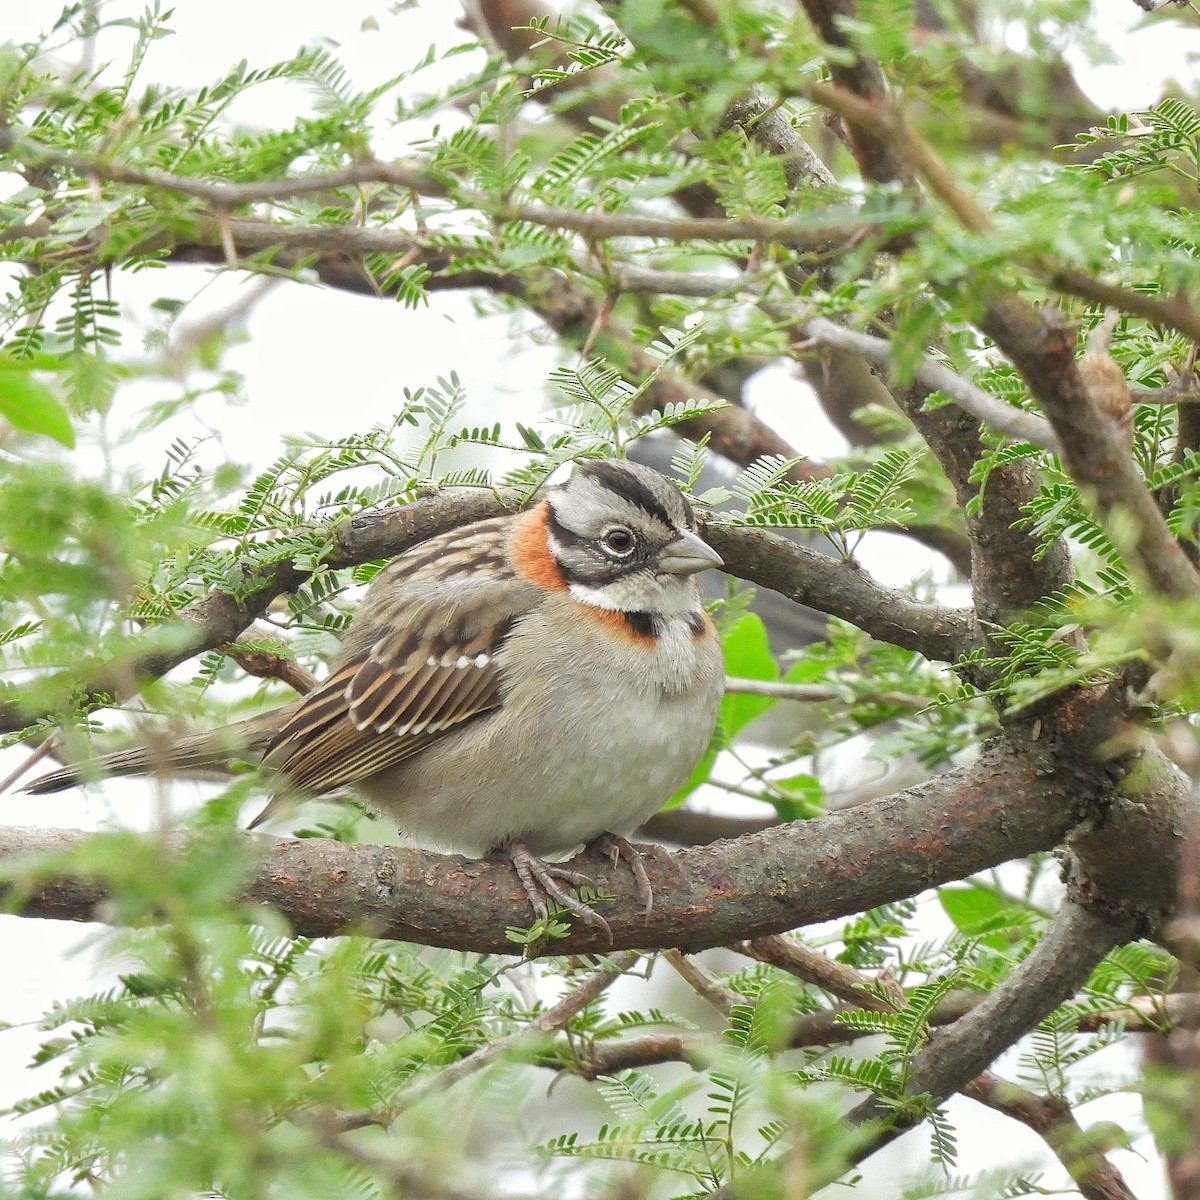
[
  {"x": 620, "y": 848},
  {"x": 540, "y": 880}
]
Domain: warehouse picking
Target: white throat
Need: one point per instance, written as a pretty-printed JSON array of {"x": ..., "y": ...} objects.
[{"x": 662, "y": 595}]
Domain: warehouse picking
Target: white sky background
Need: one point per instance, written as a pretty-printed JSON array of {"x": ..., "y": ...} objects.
[{"x": 322, "y": 361}]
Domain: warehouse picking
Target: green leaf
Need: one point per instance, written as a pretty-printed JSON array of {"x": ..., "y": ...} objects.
[
  {"x": 797, "y": 798},
  {"x": 31, "y": 406},
  {"x": 967, "y": 906},
  {"x": 748, "y": 655},
  {"x": 979, "y": 912}
]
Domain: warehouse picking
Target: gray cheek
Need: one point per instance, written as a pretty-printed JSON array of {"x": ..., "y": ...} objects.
[{"x": 581, "y": 563}]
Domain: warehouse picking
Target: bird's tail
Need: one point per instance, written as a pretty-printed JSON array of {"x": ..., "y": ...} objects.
[{"x": 245, "y": 740}]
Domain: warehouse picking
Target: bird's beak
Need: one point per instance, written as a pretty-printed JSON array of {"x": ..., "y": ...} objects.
[{"x": 686, "y": 555}]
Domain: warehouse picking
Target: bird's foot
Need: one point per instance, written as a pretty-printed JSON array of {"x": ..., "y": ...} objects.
[
  {"x": 541, "y": 880},
  {"x": 619, "y": 848}
]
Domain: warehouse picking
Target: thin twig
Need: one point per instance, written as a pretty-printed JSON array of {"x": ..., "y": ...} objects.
[
  {"x": 1175, "y": 312},
  {"x": 812, "y": 233},
  {"x": 246, "y": 650},
  {"x": 49, "y": 746},
  {"x": 935, "y": 375},
  {"x": 551, "y": 1021},
  {"x": 521, "y": 1042},
  {"x": 888, "y": 125},
  {"x": 1139, "y": 1014},
  {"x": 818, "y": 969},
  {"x": 703, "y": 982},
  {"x": 1178, "y": 391},
  {"x": 819, "y": 692}
]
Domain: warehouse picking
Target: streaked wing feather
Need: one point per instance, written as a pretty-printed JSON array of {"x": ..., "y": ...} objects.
[
  {"x": 357, "y": 759},
  {"x": 368, "y": 708},
  {"x": 476, "y": 696},
  {"x": 374, "y": 711}
]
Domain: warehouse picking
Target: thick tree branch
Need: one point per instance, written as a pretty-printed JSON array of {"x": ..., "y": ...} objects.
[
  {"x": 855, "y": 75},
  {"x": 1052, "y": 1119},
  {"x": 1037, "y": 343},
  {"x": 1123, "y": 883},
  {"x": 1048, "y": 1116},
  {"x": 961, "y": 822},
  {"x": 1076, "y": 940},
  {"x": 768, "y": 124},
  {"x": 1010, "y": 570},
  {"x": 1042, "y": 348},
  {"x": 840, "y": 589}
]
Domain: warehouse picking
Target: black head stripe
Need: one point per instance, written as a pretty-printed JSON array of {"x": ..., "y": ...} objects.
[
  {"x": 557, "y": 530},
  {"x": 622, "y": 481}
]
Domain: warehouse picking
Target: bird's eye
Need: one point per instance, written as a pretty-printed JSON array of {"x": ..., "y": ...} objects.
[{"x": 618, "y": 541}]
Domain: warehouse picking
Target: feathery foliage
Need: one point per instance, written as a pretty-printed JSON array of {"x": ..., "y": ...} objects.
[{"x": 627, "y": 182}]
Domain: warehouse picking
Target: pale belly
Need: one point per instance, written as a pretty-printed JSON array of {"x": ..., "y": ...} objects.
[{"x": 599, "y": 747}]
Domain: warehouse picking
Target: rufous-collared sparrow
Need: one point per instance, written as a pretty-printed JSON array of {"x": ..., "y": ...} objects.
[{"x": 526, "y": 684}]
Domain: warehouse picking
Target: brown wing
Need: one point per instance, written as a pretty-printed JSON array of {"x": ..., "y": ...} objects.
[
  {"x": 419, "y": 661},
  {"x": 374, "y": 713}
]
